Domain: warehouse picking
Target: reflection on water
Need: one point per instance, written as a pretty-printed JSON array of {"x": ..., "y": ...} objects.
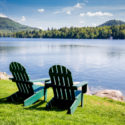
[{"x": 100, "y": 62}]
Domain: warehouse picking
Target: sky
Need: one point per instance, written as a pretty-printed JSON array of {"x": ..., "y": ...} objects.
[{"x": 46, "y": 14}]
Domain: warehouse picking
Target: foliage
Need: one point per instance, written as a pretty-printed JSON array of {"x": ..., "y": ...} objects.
[
  {"x": 9, "y": 28},
  {"x": 105, "y": 32},
  {"x": 7, "y": 25},
  {"x": 113, "y": 22},
  {"x": 96, "y": 111}
]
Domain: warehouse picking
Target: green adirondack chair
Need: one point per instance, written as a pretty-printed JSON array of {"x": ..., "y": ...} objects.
[
  {"x": 66, "y": 95},
  {"x": 27, "y": 91}
]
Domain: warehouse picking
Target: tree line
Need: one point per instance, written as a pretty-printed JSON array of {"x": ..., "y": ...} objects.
[{"x": 104, "y": 32}]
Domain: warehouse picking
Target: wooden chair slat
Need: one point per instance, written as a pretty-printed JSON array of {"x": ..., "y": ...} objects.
[
  {"x": 69, "y": 96},
  {"x": 63, "y": 93},
  {"x": 53, "y": 81}
]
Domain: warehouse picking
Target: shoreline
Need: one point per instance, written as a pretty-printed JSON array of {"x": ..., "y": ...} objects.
[
  {"x": 109, "y": 93},
  {"x": 61, "y": 38}
]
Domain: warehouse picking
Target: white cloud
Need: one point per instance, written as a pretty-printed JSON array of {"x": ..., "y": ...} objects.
[
  {"x": 68, "y": 12},
  {"x": 99, "y": 14},
  {"x": 2, "y": 15},
  {"x": 23, "y": 19},
  {"x": 82, "y": 14},
  {"x": 78, "y": 5},
  {"x": 69, "y": 9},
  {"x": 40, "y": 10}
]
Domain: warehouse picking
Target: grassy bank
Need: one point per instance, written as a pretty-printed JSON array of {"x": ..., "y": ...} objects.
[{"x": 96, "y": 111}]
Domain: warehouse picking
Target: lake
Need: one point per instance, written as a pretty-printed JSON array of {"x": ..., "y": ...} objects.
[{"x": 100, "y": 62}]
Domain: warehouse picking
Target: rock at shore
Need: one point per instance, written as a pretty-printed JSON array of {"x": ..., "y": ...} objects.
[
  {"x": 112, "y": 94},
  {"x": 4, "y": 76}
]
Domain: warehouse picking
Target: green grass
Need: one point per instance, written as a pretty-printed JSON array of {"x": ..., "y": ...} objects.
[{"x": 96, "y": 111}]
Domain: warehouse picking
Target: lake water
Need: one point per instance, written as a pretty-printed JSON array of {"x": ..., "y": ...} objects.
[{"x": 100, "y": 62}]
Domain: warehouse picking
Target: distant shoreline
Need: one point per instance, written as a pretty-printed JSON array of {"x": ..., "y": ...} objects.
[
  {"x": 56, "y": 38},
  {"x": 104, "y": 32}
]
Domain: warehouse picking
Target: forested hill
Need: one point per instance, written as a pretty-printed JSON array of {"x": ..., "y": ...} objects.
[
  {"x": 8, "y": 25},
  {"x": 104, "y": 32},
  {"x": 112, "y": 23},
  {"x": 99, "y": 32}
]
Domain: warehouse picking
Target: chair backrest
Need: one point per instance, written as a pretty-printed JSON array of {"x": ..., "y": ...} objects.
[
  {"x": 21, "y": 78},
  {"x": 61, "y": 80}
]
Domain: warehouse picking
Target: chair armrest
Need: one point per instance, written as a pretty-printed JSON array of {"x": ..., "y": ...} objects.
[
  {"x": 20, "y": 81},
  {"x": 41, "y": 80},
  {"x": 48, "y": 84},
  {"x": 10, "y": 78},
  {"x": 82, "y": 84}
]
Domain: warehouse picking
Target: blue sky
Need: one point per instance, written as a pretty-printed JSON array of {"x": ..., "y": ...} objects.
[{"x": 61, "y": 13}]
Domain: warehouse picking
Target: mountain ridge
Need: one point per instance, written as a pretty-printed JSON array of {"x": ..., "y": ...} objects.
[
  {"x": 9, "y": 25},
  {"x": 112, "y": 22}
]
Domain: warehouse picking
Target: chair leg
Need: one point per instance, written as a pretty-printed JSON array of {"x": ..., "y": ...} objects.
[
  {"x": 45, "y": 94},
  {"x": 74, "y": 105},
  {"x": 82, "y": 100},
  {"x": 50, "y": 104},
  {"x": 33, "y": 98}
]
